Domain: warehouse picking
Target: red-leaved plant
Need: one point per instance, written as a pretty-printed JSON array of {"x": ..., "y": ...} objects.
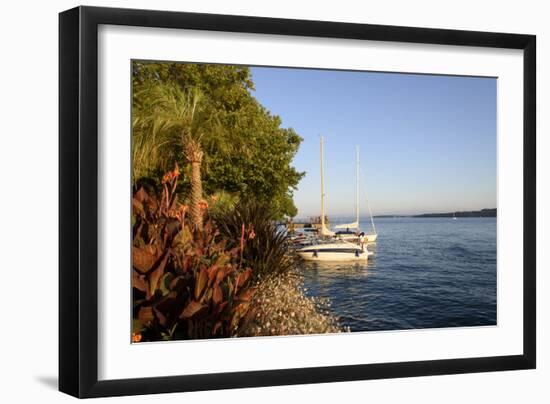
[{"x": 186, "y": 283}]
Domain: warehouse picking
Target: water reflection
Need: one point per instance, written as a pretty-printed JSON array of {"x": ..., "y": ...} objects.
[{"x": 329, "y": 269}]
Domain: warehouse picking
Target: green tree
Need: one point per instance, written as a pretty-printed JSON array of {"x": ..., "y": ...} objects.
[{"x": 246, "y": 152}]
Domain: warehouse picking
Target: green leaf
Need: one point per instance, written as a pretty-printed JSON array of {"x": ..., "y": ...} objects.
[{"x": 165, "y": 283}]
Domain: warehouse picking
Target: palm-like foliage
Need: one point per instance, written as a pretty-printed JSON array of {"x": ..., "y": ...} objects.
[
  {"x": 170, "y": 122},
  {"x": 267, "y": 244},
  {"x": 164, "y": 118}
]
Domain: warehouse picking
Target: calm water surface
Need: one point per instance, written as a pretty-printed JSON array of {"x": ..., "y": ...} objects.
[{"x": 424, "y": 273}]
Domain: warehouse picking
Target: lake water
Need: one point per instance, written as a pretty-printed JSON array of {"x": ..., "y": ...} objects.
[{"x": 425, "y": 273}]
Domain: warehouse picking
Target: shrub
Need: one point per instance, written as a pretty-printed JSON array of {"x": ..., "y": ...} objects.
[
  {"x": 267, "y": 244},
  {"x": 186, "y": 282}
]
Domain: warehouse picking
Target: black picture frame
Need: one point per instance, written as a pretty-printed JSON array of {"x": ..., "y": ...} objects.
[{"x": 78, "y": 201}]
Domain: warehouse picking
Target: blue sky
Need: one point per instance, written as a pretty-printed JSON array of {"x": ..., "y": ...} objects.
[{"x": 427, "y": 143}]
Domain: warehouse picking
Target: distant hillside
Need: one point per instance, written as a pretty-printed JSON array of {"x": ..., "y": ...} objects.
[{"x": 474, "y": 213}]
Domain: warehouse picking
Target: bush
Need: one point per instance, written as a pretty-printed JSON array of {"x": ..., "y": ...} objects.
[
  {"x": 186, "y": 282},
  {"x": 267, "y": 244}
]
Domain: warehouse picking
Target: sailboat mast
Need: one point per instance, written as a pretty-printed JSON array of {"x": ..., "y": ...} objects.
[
  {"x": 357, "y": 185},
  {"x": 322, "y": 190},
  {"x": 372, "y": 221}
]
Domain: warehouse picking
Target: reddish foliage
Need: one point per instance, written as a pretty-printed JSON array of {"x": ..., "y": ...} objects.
[{"x": 186, "y": 283}]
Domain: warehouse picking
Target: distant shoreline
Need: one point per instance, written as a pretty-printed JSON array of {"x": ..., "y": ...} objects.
[
  {"x": 461, "y": 214},
  {"x": 472, "y": 213}
]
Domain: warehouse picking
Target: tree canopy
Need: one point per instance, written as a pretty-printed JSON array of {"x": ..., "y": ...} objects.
[{"x": 247, "y": 153}]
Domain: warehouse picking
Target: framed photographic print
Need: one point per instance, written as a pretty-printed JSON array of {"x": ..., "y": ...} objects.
[{"x": 251, "y": 201}]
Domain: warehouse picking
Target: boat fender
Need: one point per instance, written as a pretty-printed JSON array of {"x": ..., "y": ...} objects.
[
  {"x": 357, "y": 253},
  {"x": 315, "y": 254}
]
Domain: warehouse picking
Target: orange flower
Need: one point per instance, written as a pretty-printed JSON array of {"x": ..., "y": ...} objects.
[
  {"x": 136, "y": 337},
  {"x": 180, "y": 212},
  {"x": 171, "y": 175},
  {"x": 251, "y": 233},
  {"x": 176, "y": 171}
]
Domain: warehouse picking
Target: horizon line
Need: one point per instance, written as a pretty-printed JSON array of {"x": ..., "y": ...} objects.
[{"x": 346, "y": 216}]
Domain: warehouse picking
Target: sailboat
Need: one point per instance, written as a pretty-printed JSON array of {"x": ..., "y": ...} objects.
[
  {"x": 348, "y": 234},
  {"x": 330, "y": 251}
]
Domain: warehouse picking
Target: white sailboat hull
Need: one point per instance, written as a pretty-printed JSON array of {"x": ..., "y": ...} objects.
[
  {"x": 334, "y": 257},
  {"x": 334, "y": 252}
]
